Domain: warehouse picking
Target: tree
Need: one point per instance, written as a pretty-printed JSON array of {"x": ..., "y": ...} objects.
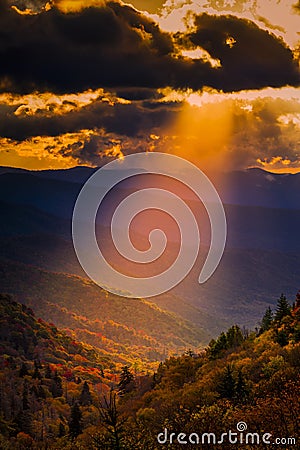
[
  {"x": 61, "y": 430},
  {"x": 282, "y": 338},
  {"x": 226, "y": 386},
  {"x": 234, "y": 337},
  {"x": 266, "y": 320},
  {"x": 283, "y": 308},
  {"x": 23, "y": 370},
  {"x": 112, "y": 422},
  {"x": 25, "y": 402},
  {"x": 75, "y": 425},
  {"x": 36, "y": 374},
  {"x": 48, "y": 372},
  {"x": 85, "y": 398},
  {"x": 217, "y": 347},
  {"x": 297, "y": 302},
  {"x": 126, "y": 383},
  {"x": 56, "y": 386},
  {"x": 23, "y": 422},
  {"x": 241, "y": 390}
]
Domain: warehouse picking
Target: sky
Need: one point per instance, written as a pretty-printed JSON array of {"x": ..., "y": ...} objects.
[{"x": 83, "y": 82}]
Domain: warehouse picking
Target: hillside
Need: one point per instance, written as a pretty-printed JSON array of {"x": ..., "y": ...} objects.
[
  {"x": 129, "y": 329},
  {"x": 42, "y": 372},
  {"x": 40, "y": 267},
  {"x": 246, "y": 378},
  {"x": 25, "y": 338},
  {"x": 229, "y": 296}
]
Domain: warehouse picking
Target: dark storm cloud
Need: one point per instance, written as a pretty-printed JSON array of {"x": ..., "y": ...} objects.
[
  {"x": 116, "y": 46},
  {"x": 112, "y": 45},
  {"x": 123, "y": 119},
  {"x": 250, "y": 57},
  {"x": 100, "y": 148},
  {"x": 135, "y": 93}
]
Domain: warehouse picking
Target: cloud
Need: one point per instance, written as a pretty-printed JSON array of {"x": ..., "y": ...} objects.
[
  {"x": 116, "y": 46},
  {"x": 233, "y": 133},
  {"x": 124, "y": 119},
  {"x": 266, "y": 135},
  {"x": 35, "y": 6},
  {"x": 278, "y": 16},
  {"x": 250, "y": 57}
]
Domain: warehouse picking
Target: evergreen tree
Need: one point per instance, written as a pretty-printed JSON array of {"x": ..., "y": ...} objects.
[
  {"x": 282, "y": 338},
  {"x": 234, "y": 337},
  {"x": 23, "y": 422},
  {"x": 222, "y": 342},
  {"x": 23, "y": 370},
  {"x": 75, "y": 425},
  {"x": 61, "y": 430},
  {"x": 85, "y": 398},
  {"x": 36, "y": 373},
  {"x": 48, "y": 372},
  {"x": 25, "y": 402},
  {"x": 126, "y": 383},
  {"x": 283, "y": 308},
  {"x": 111, "y": 420},
  {"x": 226, "y": 387},
  {"x": 241, "y": 390},
  {"x": 41, "y": 392},
  {"x": 297, "y": 302},
  {"x": 218, "y": 346},
  {"x": 266, "y": 320},
  {"x": 56, "y": 386}
]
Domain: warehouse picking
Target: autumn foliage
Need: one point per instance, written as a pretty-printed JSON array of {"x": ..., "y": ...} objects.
[{"x": 58, "y": 393}]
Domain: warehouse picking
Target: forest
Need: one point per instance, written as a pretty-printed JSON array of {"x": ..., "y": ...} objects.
[{"x": 56, "y": 392}]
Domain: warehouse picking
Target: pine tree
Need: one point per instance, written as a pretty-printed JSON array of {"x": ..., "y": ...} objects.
[
  {"x": 297, "y": 302},
  {"x": 126, "y": 383},
  {"x": 282, "y": 338},
  {"x": 85, "y": 398},
  {"x": 266, "y": 320},
  {"x": 241, "y": 390},
  {"x": 226, "y": 387},
  {"x": 61, "y": 430},
  {"x": 234, "y": 337},
  {"x": 25, "y": 402},
  {"x": 23, "y": 370},
  {"x": 217, "y": 347},
  {"x": 113, "y": 423},
  {"x": 75, "y": 426},
  {"x": 36, "y": 373},
  {"x": 56, "y": 386},
  {"x": 48, "y": 372},
  {"x": 23, "y": 422},
  {"x": 283, "y": 308},
  {"x": 41, "y": 392}
]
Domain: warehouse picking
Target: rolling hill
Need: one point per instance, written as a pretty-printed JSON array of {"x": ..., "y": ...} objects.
[
  {"x": 40, "y": 266},
  {"x": 128, "y": 329}
]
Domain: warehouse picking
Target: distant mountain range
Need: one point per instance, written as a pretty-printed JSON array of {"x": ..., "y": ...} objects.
[
  {"x": 251, "y": 187},
  {"x": 261, "y": 260}
]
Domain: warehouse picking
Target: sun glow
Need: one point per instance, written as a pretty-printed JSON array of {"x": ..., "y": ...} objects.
[
  {"x": 201, "y": 134},
  {"x": 199, "y": 53},
  {"x": 209, "y": 95}
]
